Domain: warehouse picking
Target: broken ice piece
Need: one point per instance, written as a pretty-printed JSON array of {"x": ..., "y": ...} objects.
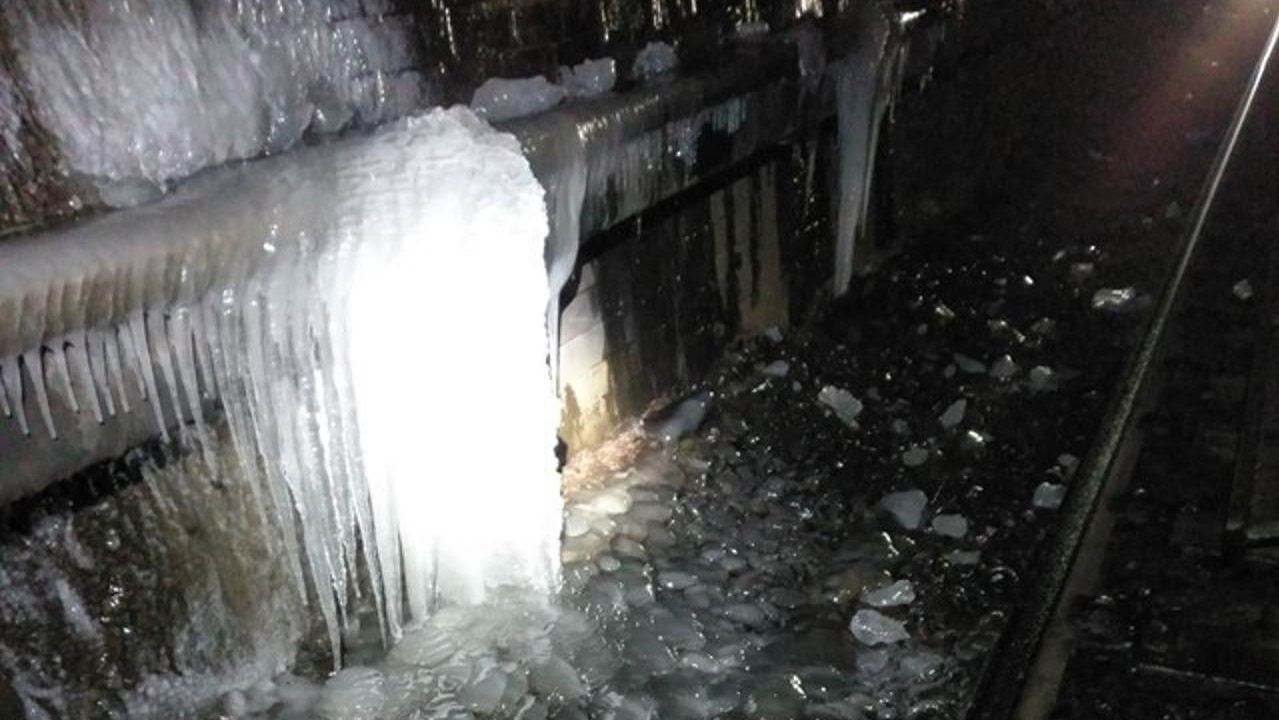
[
  {"x": 687, "y": 417},
  {"x": 955, "y": 526},
  {"x": 915, "y": 456},
  {"x": 871, "y": 662},
  {"x": 901, "y": 592},
  {"x": 875, "y": 628},
  {"x": 1113, "y": 299},
  {"x": 969, "y": 365},
  {"x": 954, "y": 414},
  {"x": 1049, "y": 495},
  {"x": 963, "y": 557},
  {"x": 1068, "y": 463},
  {"x": 1003, "y": 368},
  {"x": 772, "y": 332},
  {"x": 846, "y": 406},
  {"x": 590, "y": 78},
  {"x": 1243, "y": 289},
  {"x": 906, "y": 507},
  {"x": 1042, "y": 377},
  {"x": 777, "y": 368},
  {"x": 657, "y": 58},
  {"x": 501, "y": 99},
  {"x": 1081, "y": 271}
]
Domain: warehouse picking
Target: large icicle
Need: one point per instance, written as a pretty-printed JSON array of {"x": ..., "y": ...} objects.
[{"x": 866, "y": 84}]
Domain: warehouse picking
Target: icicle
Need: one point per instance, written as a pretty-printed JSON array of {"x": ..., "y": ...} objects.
[
  {"x": 4, "y": 398},
  {"x": 11, "y": 374},
  {"x": 201, "y": 337},
  {"x": 58, "y": 354},
  {"x": 35, "y": 370},
  {"x": 159, "y": 343},
  {"x": 180, "y": 336},
  {"x": 98, "y": 368},
  {"x": 863, "y": 93},
  {"x": 78, "y": 359},
  {"x": 111, "y": 341},
  {"x": 136, "y": 345},
  {"x": 565, "y": 195}
]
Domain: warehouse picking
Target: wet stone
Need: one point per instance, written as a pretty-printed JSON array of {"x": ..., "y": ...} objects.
[
  {"x": 954, "y": 526},
  {"x": 914, "y": 456},
  {"x": 1049, "y": 496},
  {"x": 874, "y": 628}
]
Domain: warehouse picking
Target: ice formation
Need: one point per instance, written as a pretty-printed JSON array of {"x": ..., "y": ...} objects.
[
  {"x": 589, "y": 78},
  {"x": 501, "y": 99},
  {"x": 866, "y": 85},
  {"x": 844, "y": 404},
  {"x": 359, "y": 434},
  {"x": 138, "y": 93},
  {"x": 654, "y": 60}
]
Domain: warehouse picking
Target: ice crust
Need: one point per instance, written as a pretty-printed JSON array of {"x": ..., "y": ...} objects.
[{"x": 138, "y": 93}]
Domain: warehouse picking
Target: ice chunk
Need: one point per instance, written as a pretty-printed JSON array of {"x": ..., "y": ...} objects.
[
  {"x": 969, "y": 365},
  {"x": 1042, "y": 378},
  {"x": 872, "y": 662},
  {"x": 1069, "y": 463},
  {"x": 914, "y": 456},
  {"x": 1243, "y": 289},
  {"x": 963, "y": 557},
  {"x": 901, "y": 592},
  {"x": 576, "y": 524},
  {"x": 906, "y": 507},
  {"x": 613, "y": 501},
  {"x": 355, "y": 693},
  {"x": 687, "y": 417},
  {"x": 846, "y": 406},
  {"x": 871, "y": 627},
  {"x": 773, "y": 333},
  {"x": 1081, "y": 271},
  {"x": 954, "y": 414},
  {"x": 955, "y": 526},
  {"x": 1004, "y": 368},
  {"x": 1113, "y": 299},
  {"x": 777, "y": 368},
  {"x": 501, "y": 99},
  {"x": 655, "y": 59},
  {"x": 1049, "y": 495},
  {"x": 923, "y": 664},
  {"x": 589, "y": 78}
]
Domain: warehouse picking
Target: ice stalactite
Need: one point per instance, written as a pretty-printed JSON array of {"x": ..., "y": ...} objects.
[
  {"x": 392, "y": 414},
  {"x": 565, "y": 194},
  {"x": 866, "y": 86}
]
